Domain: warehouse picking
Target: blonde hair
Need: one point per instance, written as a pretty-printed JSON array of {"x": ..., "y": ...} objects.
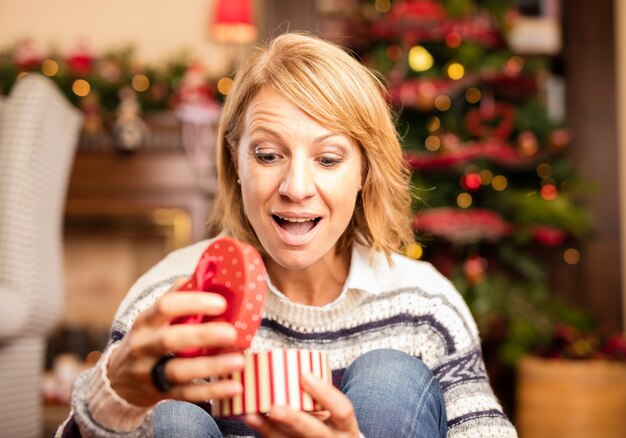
[{"x": 343, "y": 95}]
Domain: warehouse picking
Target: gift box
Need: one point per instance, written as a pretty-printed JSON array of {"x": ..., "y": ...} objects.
[{"x": 272, "y": 378}]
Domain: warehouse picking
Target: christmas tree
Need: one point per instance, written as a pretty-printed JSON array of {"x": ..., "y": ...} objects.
[{"x": 493, "y": 187}]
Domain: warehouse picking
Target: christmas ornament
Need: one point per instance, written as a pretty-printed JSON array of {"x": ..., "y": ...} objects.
[
  {"x": 199, "y": 113},
  {"x": 130, "y": 130},
  {"x": 548, "y": 236},
  {"x": 80, "y": 60}
]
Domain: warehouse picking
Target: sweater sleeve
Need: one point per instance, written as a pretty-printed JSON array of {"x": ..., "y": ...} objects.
[{"x": 97, "y": 411}]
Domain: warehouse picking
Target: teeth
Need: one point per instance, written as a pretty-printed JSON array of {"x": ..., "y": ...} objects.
[{"x": 295, "y": 220}]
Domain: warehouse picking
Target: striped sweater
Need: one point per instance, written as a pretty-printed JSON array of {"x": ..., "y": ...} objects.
[{"x": 407, "y": 306}]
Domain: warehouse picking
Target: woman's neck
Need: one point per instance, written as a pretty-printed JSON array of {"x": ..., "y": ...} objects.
[{"x": 316, "y": 285}]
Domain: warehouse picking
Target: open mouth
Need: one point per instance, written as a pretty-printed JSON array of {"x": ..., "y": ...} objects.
[{"x": 297, "y": 226}]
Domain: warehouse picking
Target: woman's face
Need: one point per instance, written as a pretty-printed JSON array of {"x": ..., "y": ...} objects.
[{"x": 299, "y": 181}]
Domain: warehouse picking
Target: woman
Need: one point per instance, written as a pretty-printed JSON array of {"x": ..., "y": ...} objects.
[{"x": 312, "y": 174}]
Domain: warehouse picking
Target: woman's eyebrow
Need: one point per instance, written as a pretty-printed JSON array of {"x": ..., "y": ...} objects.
[{"x": 264, "y": 129}]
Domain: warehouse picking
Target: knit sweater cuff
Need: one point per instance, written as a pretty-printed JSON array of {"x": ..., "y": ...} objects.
[{"x": 107, "y": 408}]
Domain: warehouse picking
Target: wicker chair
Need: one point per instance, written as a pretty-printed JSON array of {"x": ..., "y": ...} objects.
[{"x": 38, "y": 135}]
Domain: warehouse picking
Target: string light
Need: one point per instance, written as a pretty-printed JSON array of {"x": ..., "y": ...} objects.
[
  {"x": 514, "y": 65},
  {"x": 382, "y": 6},
  {"x": 224, "y": 84},
  {"x": 432, "y": 143},
  {"x": 486, "y": 176},
  {"x": 434, "y": 124},
  {"x": 394, "y": 52},
  {"x": 49, "y": 67},
  {"x": 420, "y": 59},
  {"x": 414, "y": 250},
  {"x": 140, "y": 83},
  {"x": 472, "y": 95},
  {"x": 453, "y": 40},
  {"x": 548, "y": 192},
  {"x": 571, "y": 256},
  {"x": 81, "y": 87},
  {"x": 471, "y": 181},
  {"x": 442, "y": 102},
  {"x": 455, "y": 71},
  {"x": 544, "y": 170},
  {"x": 464, "y": 200},
  {"x": 499, "y": 183}
]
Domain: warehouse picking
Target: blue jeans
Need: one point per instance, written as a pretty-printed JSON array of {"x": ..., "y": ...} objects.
[{"x": 393, "y": 394}]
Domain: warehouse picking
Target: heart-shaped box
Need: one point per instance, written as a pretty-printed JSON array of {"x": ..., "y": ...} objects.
[
  {"x": 236, "y": 271},
  {"x": 272, "y": 378}
]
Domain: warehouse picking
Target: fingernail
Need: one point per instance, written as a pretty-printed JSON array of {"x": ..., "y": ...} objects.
[
  {"x": 277, "y": 413},
  {"x": 236, "y": 361},
  {"x": 307, "y": 378}
]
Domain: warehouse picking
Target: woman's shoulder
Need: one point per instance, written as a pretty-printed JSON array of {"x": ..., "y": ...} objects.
[{"x": 403, "y": 272}]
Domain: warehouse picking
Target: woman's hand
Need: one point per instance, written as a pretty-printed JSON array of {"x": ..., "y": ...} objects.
[
  {"x": 338, "y": 419},
  {"x": 151, "y": 337}
]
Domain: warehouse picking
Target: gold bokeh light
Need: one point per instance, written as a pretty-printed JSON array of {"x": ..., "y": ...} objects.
[
  {"x": 140, "y": 83},
  {"x": 442, "y": 102},
  {"x": 49, "y": 67},
  {"x": 571, "y": 256},
  {"x": 499, "y": 183},
  {"x": 472, "y": 95},
  {"x": 464, "y": 200},
  {"x": 455, "y": 71},
  {"x": 420, "y": 59},
  {"x": 432, "y": 143},
  {"x": 224, "y": 84},
  {"x": 81, "y": 87}
]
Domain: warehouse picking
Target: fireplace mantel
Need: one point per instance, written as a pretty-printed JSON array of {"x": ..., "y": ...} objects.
[{"x": 108, "y": 183}]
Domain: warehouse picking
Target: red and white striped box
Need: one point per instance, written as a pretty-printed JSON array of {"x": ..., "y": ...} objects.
[{"x": 272, "y": 378}]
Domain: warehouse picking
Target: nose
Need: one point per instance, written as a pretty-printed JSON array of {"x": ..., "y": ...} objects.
[{"x": 298, "y": 182}]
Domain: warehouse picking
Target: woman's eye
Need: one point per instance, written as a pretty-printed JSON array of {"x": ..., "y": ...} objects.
[
  {"x": 329, "y": 161},
  {"x": 267, "y": 158}
]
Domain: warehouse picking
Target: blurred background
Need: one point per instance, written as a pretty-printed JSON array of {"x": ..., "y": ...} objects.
[{"x": 509, "y": 112}]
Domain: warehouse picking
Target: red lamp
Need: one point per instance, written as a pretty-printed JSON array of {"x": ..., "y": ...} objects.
[{"x": 233, "y": 23}]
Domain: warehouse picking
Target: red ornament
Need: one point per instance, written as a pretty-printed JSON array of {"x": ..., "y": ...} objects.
[
  {"x": 80, "y": 60},
  {"x": 236, "y": 271},
  {"x": 471, "y": 181},
  {"x": 474, "y": 268},
  {"x": 548, "y": 236},
  {"x": 549, "y": 192},
  {"x": 27, "y": 56}
]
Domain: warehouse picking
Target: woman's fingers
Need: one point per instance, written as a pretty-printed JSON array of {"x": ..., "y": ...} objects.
[
  {"x": 202, "y": 392},
  {"x": 176, "y": 304},
  {"x": 334, "y": 401},
  {"x": 151, "y": 341},
  {"x": 181, "y": 371},
  {"x": 268, "y": 428},
  {"x": 295, "y": 423}
]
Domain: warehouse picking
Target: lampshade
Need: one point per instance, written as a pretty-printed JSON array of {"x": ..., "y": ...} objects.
[{"x": 233, "y": 23}]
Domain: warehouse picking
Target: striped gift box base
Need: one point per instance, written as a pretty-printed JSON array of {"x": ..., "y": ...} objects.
[{"x": 273, "y": 378}]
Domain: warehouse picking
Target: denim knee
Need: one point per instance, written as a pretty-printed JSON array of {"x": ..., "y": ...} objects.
[
  {"x": 176, "y": 418},
  {"x": 394, "y": 394}
]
